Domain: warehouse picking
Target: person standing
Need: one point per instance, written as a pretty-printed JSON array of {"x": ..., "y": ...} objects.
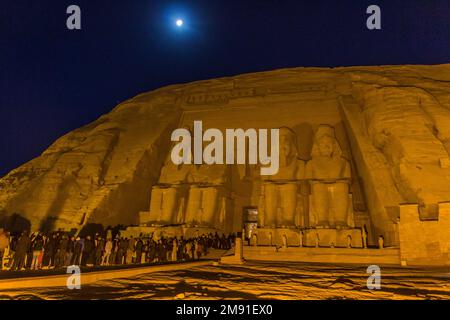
[
  {"x": 151, "y": 251},
  {"x": 88, "y": 251},
  {"x": 99, "y": 251},
  {"x": 13, "y": 239},
  {"x": 193, "y": 247},
  {"x": 70, "y": 250},
  {"x": 174, "y": 249},
  {"x": 130, "y": 250},
  {"x": 198, "y": 249},
  {"x": 188, "y": 250},
  {"x": 4, "y": 244},
  {"x": 77, "y": 251},
  {"x": 139, "y": 247},
  {"x": 60, "y": 259},
  {"x": 381, "y": 242},
  {"x": 37, "y": 247},
  {"x": 115, "y": 249},
  {"x": 22, "y": 247},
  {"x": 29, "y": 254},
  {"x": 121, "y": 253},
  {"x": 50, "y": 251},
  {"x": 145, "y": 251},
  {"x": 107, "y": 255},
  {"x": 180, "y": 253}
]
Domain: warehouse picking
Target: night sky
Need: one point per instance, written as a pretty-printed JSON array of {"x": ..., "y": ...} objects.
[{"x": 53, "y": 80}]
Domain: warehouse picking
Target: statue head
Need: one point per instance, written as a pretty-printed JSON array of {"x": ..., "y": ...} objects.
[
  {"x": 288, "y": 143},
  {"x": 325, "y": 143}
]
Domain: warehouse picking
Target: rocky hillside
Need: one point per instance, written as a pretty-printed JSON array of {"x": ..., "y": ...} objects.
[{"x": 103, "y": 172}]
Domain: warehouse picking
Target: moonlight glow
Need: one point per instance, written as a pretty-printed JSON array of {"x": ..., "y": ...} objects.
[{"x": 179, "y": 22}]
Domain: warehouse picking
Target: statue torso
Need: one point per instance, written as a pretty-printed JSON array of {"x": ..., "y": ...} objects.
[{"x": 325, "y": 168}]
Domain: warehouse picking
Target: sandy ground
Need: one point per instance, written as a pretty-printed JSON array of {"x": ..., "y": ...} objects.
[{"x": 260, "y": 280}]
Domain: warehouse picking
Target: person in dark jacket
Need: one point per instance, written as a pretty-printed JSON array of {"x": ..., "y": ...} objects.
[
  {"x": 69, "y": 251},
  {"x": 88, "y": 252},
  {"x": 22, "y": 247},
  {"x": 123, "y": 247},
  {"x": 100, "y": 244},
  {"x": 29, "y": 255},
  {"x": 192, "y": 250},
  {"x": 139, "y": 247},
  {"x": 60, "y": 258},
  {"x": 180, "y": 253},
  {"x": 50, "y": 251},
  {"x": 77, "y": 251},
  {"x": 37, "y": 247},
  {"x": 115, "y": 249},
  {"x": 151, "y": 251},
  {"x": 163, "y": 252}
]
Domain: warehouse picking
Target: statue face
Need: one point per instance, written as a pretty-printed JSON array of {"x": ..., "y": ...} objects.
[
  {"x": 325, "y": 147},
  {"x": 286, "y": 144}
]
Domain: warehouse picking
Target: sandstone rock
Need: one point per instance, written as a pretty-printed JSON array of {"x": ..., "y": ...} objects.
[{"x": 392, "y": 124}]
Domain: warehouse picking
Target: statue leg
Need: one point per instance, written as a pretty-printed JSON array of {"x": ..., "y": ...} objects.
[
  {"x": 339, "y": 200},
  {"x": 194, "y": 201},
  {"x": 169, "y": 205},
  {"x": 156, "y": 204},
  {"x": 209, "y": 206},
  {"x": 288, "y": 194},
  {"x": 320, "y": 200},
  {"x": 271, "y": 204}
]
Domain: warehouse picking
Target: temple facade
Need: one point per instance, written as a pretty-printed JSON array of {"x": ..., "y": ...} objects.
[{"x": 364, "y": 158}]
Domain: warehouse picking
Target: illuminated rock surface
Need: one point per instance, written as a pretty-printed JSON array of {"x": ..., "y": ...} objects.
[
  {"x": 392, "y": 126},
  {"x": 260, "y": 281}
]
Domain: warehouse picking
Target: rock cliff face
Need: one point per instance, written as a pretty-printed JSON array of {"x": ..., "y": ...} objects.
[
  {"x": 393, "y": 122},
  {"x": 101, "y": 172}
]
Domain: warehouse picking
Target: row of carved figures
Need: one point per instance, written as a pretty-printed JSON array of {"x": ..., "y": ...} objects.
[{"x": 206, "y": 187}]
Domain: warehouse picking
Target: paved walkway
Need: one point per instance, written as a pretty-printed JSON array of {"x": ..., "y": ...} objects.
[{"x": 258, "y": 280}]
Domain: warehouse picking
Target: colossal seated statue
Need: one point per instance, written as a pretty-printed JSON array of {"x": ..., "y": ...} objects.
[
  {"x": 168, "y": 195},
  {"x": 279, "y": 192},
  {"x": 207, "y": 193},
  {"x": 329, "y": 176},
  {"x": 412, "y": 130}
]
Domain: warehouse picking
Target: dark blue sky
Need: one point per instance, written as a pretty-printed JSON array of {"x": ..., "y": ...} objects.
[{"x": 53, "y": 80}]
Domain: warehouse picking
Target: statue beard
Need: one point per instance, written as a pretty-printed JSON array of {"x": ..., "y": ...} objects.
[{"x": 285, "y": 160}]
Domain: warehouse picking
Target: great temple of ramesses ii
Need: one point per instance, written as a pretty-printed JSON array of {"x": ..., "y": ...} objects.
[{"x": 364, "y": 156}]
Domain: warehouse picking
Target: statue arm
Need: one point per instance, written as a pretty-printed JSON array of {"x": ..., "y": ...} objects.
[
  {"x": 308, "y": 170},
  {"x": 346, "y": 174},
  {"x": 300, "y": 175}
]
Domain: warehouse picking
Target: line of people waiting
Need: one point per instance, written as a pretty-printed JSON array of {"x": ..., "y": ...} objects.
[{"x": 59, "y": 249}]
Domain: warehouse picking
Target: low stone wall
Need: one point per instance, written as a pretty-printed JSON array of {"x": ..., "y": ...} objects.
[
  {"x": 424, "y": 242},
  {"x": 324, "y": 255},
  {"x": 294, "y": 237}
]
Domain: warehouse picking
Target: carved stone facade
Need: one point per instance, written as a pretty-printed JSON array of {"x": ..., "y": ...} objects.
[{"x": 364, "y": 154}]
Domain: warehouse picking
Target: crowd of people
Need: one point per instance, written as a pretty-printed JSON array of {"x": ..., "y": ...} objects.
[{"x": 38, "y": 251}]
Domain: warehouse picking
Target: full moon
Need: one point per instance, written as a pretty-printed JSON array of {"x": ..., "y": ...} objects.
[{"x": 179, "y": 22}]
